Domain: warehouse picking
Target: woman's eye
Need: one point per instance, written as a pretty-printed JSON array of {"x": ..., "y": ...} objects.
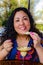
[
  {"x": 17, "y": 20},
  {"x": 25, "y": 18}
]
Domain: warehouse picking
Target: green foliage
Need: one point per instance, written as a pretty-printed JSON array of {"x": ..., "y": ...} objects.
[
  {"x": 39, "y": 26},
  {"x": 24, "y": 3},
  {"x": 13, "y": 4},
  {"x": 0, "y": 23},
  {"x": 32, "y": 6},
  {"x": 8, "y": 6},
  {"x": 4, "y": 22}
]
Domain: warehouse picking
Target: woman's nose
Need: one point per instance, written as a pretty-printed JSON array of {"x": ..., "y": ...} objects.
[{"x": 21, "y": 22}]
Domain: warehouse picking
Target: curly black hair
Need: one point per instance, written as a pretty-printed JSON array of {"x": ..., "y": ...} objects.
[{"x": 10, "y": 32}]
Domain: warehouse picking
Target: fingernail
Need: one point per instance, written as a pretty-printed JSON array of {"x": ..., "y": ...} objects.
[{"x": 32, "y": 33}]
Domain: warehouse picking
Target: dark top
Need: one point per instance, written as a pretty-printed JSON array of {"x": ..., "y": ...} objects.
[{"x": 31, "y": 54}]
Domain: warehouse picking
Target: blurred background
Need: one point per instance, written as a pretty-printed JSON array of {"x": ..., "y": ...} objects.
[{"x": 35, "y": 6}]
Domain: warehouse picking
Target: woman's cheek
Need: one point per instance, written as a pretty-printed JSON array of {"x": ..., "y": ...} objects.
[{"x": 28, "y": 26}]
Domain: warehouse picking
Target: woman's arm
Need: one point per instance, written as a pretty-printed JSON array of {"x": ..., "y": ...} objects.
[
  {"x": 3, "y": 54},
  {"x": 39, "y": 50},
  {"x": 37, "y": 45}
]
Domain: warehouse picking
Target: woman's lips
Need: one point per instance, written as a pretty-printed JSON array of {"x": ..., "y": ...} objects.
[{"x": 22, "y": 28}]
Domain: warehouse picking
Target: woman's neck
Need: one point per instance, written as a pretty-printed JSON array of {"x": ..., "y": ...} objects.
[
  {"x": 22, "y": 40},
  {"x": 22, "y": 37}
]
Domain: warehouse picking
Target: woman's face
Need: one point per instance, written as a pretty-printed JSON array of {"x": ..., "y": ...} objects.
[{"x": 21, "y": 22}]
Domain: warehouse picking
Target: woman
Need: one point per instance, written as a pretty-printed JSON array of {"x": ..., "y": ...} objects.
[{"x": 20, "y": 22}]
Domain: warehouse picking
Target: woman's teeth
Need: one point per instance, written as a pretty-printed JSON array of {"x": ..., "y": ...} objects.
[{"x": 23, "y": 28}]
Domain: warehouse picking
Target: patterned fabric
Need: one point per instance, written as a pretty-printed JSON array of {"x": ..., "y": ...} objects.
[
  {"x": 15, "y": 54},
  {"x": 27, "y": 57},
  {"x": 31, "y": 55}
]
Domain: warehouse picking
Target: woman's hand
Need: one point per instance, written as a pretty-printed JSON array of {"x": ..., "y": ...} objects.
[
  {"x": 5, "y": 49},
  {"x": 7, "y": 45},
  {"x": 36, "y": 39}
]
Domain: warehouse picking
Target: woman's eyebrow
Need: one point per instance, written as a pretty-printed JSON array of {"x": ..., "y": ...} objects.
[
  {"x": 17, "y": 17},
  {"x": 25, "y": 16},
  {"x": 22, "y": 17}
]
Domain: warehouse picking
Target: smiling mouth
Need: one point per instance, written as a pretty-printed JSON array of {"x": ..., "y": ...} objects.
[{"x": 23, "y": 28}]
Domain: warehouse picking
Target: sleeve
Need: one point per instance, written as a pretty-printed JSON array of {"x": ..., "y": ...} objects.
[{"x": 12, "y": 54}]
